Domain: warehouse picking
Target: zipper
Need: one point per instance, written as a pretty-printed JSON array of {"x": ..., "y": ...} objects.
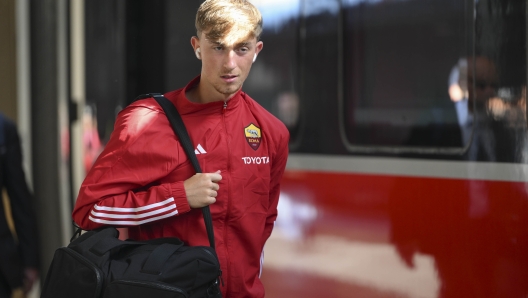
[
  {"x": 99, "y": 280},
  {"x": 220, "y": 278},
  {"x": 228, "y": 190}
]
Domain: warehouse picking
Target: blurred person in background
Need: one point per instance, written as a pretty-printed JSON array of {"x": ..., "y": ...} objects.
[
  {"x": 18, "y": 231},
  {"x": 473, "y": 85}
]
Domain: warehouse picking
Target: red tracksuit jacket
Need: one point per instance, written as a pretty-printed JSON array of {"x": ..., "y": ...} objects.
[{"x": 137, "y": 181}]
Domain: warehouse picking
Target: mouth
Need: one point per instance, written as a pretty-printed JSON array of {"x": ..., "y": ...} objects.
[{"x": 229, "y": 78}]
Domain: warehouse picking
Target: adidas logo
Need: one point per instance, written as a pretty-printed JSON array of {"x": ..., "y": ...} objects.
[{"x": 199, "y": 150}]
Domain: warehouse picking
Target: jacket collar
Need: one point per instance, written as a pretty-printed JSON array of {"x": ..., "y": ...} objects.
[{"x": 185, "y": 106}]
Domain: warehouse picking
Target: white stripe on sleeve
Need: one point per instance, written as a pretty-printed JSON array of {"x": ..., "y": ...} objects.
[
  {"x": 132, "y": 222},
  {"x": 133, "y": 216}
]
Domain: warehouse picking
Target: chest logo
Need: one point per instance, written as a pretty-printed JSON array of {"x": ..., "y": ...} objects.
[{"x": 253, "y": 136}]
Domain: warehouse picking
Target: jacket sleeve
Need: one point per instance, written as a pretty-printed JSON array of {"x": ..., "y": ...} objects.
[
  {"x": 277, "y": 170},
  {"x": 20, "y": 198},
  {"x": 123, "y": 186}
]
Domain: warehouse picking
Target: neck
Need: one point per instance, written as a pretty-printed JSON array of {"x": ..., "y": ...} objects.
[{"x": 201, "y": 94}]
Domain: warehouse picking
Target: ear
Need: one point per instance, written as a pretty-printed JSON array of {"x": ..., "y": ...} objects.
[
  {"x": 258, "y": 48},
  {"x": 195, "y": 43}
]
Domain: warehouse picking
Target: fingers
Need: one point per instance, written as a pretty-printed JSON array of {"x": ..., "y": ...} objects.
[
  {"x": 215, "y": 177},
  {"x": 215, "y": 186},
  {"x": 30, "y": 277},
  {"x": 213, "y": 194},
  {"x": 202, "y": 198},
  {"x": 202, "y": 189}
]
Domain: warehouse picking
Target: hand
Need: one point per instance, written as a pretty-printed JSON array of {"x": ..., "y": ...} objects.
[
  {"x": 202, "y": 189},
  {"x": 30, "y": 278}
]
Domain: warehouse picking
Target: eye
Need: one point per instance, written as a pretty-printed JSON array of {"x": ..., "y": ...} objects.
[
  {"x": 218, "y": 48},
  {"x": 243, "y": 50}
]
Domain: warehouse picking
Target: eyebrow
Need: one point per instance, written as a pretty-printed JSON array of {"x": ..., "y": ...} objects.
[
  {"x": 241, "y": 44},
  {"x": 217, "y": 43}
]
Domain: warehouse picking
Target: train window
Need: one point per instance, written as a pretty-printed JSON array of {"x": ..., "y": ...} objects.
[
  {"x": 272, "y": 81},
  {"x": 398, "y": 60},
  {"x": 318, "y": 77}
]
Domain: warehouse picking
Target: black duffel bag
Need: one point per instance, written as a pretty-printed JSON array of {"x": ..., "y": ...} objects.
[{"x": 99, "y": 265}]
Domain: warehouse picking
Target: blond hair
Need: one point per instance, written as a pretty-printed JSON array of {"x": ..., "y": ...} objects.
[{"x": 228, "y": 20}]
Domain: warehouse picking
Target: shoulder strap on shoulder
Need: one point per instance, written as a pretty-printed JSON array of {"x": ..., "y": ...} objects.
[{"x": 147, "y": 95}]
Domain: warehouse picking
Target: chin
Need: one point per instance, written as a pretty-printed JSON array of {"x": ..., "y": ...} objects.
[{"x": 229, "y": 90}]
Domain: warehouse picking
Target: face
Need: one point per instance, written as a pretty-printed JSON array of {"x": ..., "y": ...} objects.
[
  {"x": 225, "y": 67},
  {"x": 483, "y": 73}
]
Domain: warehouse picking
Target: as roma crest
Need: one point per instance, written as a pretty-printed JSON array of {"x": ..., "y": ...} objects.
[{"x": 253, "y": 136}]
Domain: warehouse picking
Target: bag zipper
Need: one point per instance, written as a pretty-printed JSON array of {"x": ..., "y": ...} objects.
[
  {"x": 219, "y": 270},
  {"x": 91, "y": 265}
]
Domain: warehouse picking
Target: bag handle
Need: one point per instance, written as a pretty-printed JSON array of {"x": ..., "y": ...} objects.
[
  {"x": 179, "y": 128},
  {"x": 106, "y": 240}
]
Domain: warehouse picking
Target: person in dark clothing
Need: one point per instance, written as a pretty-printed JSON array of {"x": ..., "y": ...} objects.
[{"x": 18, "y": 251}]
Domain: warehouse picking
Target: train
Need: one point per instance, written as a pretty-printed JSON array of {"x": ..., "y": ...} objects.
[{"x": 407, "y": 174}]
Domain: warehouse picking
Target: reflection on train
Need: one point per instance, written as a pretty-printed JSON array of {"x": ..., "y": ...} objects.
[{"x": 408, "y": 166}]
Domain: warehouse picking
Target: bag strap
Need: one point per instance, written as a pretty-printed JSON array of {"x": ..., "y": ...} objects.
[{"x": 179, "y": 128}]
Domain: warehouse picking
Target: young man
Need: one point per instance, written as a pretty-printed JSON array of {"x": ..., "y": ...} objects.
[
  {"x": 144, "y": 181},
  {"x": 19, "y": 260}
]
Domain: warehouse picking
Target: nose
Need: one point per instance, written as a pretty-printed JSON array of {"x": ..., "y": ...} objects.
[{"x": 230, "y": 60}]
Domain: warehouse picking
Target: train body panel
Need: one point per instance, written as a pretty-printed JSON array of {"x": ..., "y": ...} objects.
[{"x": 403, "y": 228}]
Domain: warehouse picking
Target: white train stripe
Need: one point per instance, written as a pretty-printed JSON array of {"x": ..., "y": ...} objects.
[
  {"x": 137, "y": 209},
  {"x": 409, "y": 167},
  {"x": 131, "y": 222},
  {"x": 133, "y": 215}
]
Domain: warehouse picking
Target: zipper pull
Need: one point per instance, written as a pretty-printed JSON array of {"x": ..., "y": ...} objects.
[{"x": 225, "y": 107}]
